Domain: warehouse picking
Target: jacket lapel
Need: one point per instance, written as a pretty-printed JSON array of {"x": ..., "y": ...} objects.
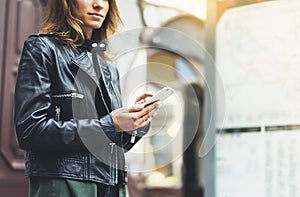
[
  {"x": 84, "y": 63},
  {"x": 87, "y": 66}
]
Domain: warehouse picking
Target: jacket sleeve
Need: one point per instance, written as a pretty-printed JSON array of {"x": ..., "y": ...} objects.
[
  {"x": 35, "y": 130},
  {"x": 139, "y": 133},
  {"x": 128, "y": 135}
]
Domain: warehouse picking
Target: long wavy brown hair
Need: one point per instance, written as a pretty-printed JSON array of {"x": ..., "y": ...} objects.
[{"x": 60, "y": 20}]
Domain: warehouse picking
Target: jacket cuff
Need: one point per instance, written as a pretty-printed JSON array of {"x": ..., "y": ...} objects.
[
  {"x": 140, "y": 132},
  {"x": 143, "y": 130},
  {"x": 107, "y": 123}
]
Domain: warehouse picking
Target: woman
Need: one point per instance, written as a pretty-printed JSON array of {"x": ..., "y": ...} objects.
[{"x": 67, "y": 106}]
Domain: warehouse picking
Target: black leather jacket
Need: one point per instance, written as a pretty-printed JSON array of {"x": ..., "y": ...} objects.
[{"x": 61, "y": 114}]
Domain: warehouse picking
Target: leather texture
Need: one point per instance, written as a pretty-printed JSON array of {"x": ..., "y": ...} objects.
[{"x": 62, "y": 114}]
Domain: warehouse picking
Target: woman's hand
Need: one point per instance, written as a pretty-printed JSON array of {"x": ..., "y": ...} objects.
[
  {"x": 142, "y": 99},
  {"x": 132, "y": 118}
]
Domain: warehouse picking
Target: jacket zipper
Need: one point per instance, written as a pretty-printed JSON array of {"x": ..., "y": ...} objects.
[
  {"x": 117, "y": 95},
  {"x": 115, "y": 161},
  {"x": 57, "y": 113},
  {"x": 69, "y": 95},
  {"x": 107, "y": 109}
]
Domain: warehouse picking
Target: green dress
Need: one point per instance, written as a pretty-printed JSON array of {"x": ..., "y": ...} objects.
[{"x": 58, "y": 187}]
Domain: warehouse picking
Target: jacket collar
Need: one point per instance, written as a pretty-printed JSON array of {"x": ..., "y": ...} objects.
[
  {"x": 89, "y": 44},
  {"x": 83, "y": 61}
]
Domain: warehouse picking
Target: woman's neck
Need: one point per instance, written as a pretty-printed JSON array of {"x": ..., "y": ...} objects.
[{"x": 88, "y": 32}]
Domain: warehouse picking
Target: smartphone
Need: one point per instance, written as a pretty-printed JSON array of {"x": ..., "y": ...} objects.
[{"x": 160, "y": 95}]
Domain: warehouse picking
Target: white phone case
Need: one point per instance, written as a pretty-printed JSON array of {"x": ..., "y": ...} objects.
[{"x": 160, "y": 95}]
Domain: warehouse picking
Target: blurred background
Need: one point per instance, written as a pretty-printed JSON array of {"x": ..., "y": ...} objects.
[{"x": 232, "y": 127}]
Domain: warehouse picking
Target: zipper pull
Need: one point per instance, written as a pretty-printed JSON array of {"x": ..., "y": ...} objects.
[
  {"x": 132, "y": 140},
  {"x": 125, "y": 173},
  {"x": 57, "y": 113},
  {"x": 112, "y": 147}
]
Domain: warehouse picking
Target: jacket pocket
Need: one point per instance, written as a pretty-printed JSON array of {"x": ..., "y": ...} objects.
[{"x": 63, "y": 105}]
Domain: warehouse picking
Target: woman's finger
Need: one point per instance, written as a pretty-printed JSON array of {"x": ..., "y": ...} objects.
[
  {"x": 148, "y": 109},
  {"x": 143, "y": 96},
  {"x": 144, "y": 120},
  {"x": 146, "y": 117},
  {"x": 136, "y": 108}
]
